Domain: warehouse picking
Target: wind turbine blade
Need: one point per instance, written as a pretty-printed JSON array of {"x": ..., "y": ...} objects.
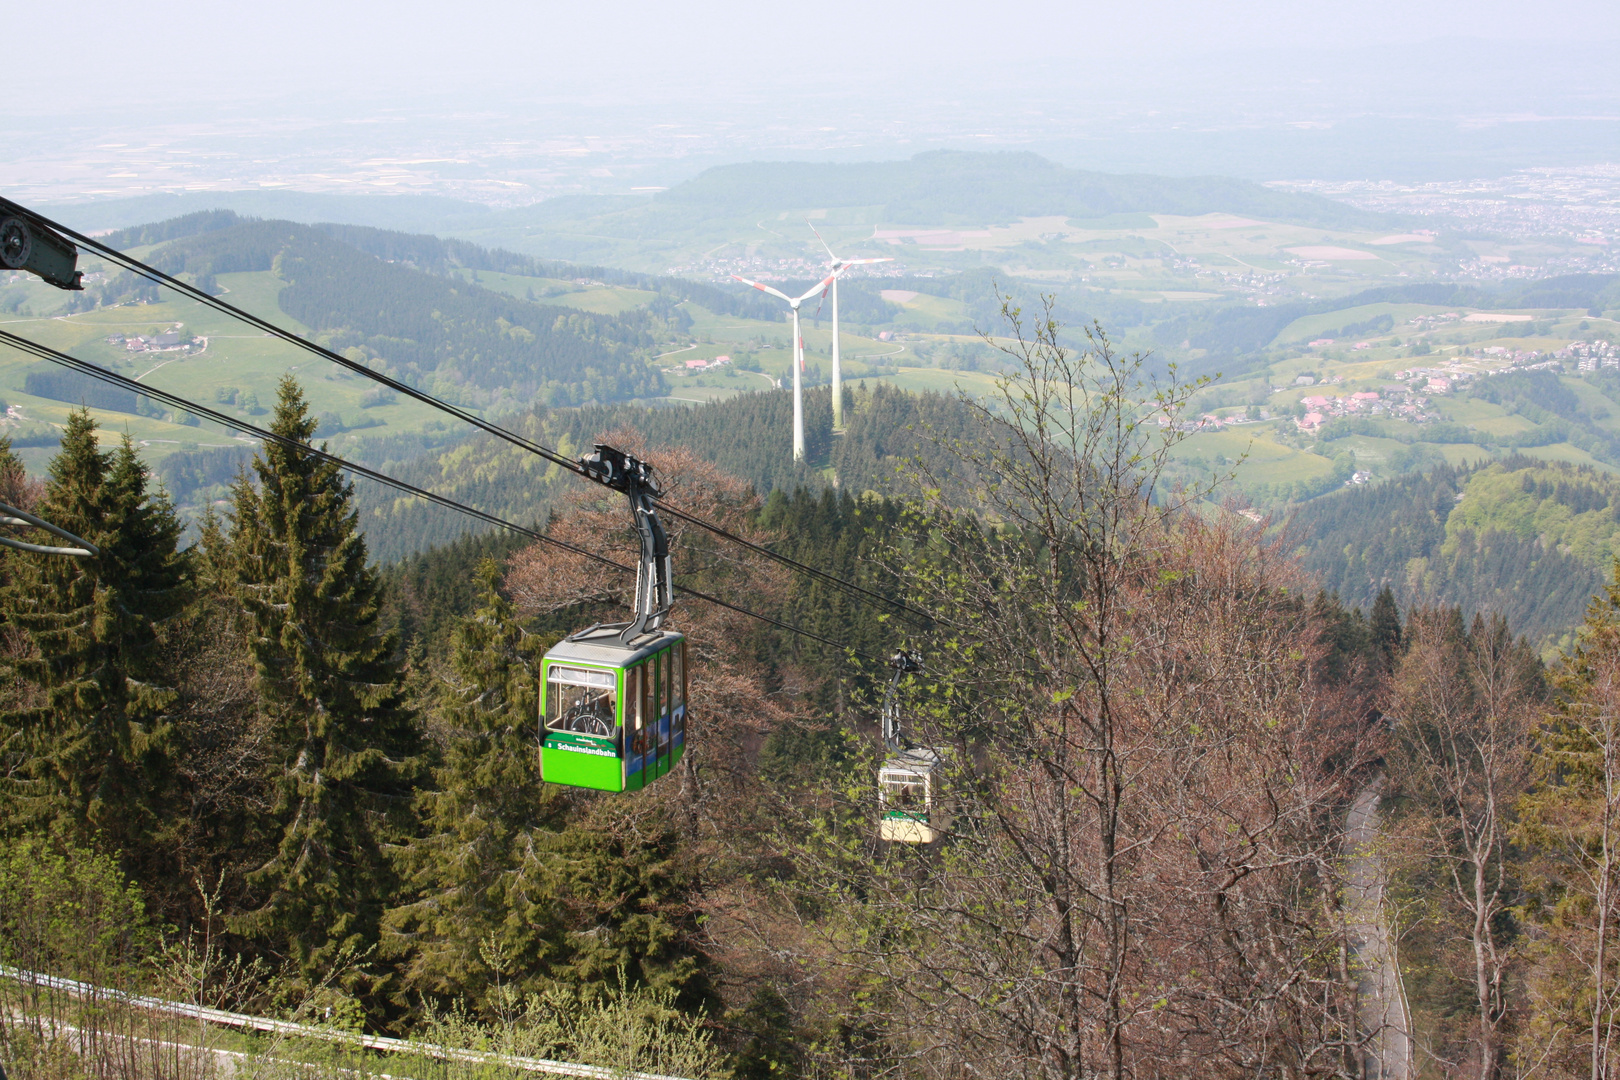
[
  {"x": 767, "y": 288},
  {"x": 824, "y": 246},
  {"x": 819, "y": 286},
  {"x": 864, "y": 262}
]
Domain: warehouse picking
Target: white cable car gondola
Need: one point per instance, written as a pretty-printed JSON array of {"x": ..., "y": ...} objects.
[
  {"x": 613, "y": 696},
  {"x": 910, "y": 807}
]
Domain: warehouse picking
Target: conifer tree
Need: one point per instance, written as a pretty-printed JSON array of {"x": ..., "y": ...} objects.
[
  {"x": 15, "y": 487},
  {"x": 1386, "y": 628},
  {"x": 510, "y": 889},
  {"x": 329, "y": 683},
  {"x": 94, "y": 732},
  {"x": 1570, "y": 826},
  {"x": 15, "y": 490},
  {"x": 476, "y": 872}
]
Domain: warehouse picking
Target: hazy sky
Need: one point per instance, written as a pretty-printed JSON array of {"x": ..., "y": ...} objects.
[
  {"x": 507, "y": 101},
  {"x": 105, "y": 51}
]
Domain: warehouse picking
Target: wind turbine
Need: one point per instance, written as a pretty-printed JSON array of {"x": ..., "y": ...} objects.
[
  {"x": 798, "y": 356},
  {"x": 838, "y": 267}
]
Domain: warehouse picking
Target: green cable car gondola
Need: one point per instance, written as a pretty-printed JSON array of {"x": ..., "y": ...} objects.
[{"x": 613, "y": 696}]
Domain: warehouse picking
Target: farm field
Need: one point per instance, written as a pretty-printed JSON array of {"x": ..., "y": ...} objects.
[
  {"x": 1420, "y": 374},
  {"x": 1152, "y": 258},
  {"x": 236, "y": 372}
]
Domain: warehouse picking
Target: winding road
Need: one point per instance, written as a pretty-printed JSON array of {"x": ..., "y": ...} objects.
[{"x": 1381, "y": 995}]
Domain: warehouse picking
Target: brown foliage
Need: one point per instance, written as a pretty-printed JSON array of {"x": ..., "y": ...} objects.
[{"x": 737, "y": 695}]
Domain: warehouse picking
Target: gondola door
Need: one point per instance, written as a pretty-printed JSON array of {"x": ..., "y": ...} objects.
[
  {"x": 677, "y": 737},
  {"x": 660, "y": 668},
  {"x": 635, "y": 738}
]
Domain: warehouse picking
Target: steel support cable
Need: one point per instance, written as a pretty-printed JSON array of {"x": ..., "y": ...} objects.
[
  {"x": 11, "y": 515},
  {"x": 920, "y": 618},
  {"x": 95, "y": 371},
  {"x": 157, "y": 276}
]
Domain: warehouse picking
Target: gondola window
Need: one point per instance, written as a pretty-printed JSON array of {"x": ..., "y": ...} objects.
[{"x": 582, "y": 701}]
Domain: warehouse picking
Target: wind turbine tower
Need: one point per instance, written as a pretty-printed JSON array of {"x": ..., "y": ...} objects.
[
  {"x": 838, "y": 267},
  {"x": 798, "y": 355}
]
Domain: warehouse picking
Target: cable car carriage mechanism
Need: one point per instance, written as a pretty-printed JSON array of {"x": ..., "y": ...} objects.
[
  {"x": 910, "y": 809},
  {"x": 613, "y": 696}
]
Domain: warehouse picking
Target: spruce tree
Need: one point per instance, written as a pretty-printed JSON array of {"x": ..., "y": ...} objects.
[
  {"x": 477, "y": 874},
  {"x": 1386, "y": 628},
  {"x": 329, "y": 684},
  {"x": 15, "y": 490},
  {"x": 92, "y": 722},
  {"x": 513, "y": 883}
]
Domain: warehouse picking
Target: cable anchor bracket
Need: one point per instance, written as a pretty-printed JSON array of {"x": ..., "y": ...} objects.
[
  {"x": 624, "y": 472},
  {"x": 903, "y": 663}
]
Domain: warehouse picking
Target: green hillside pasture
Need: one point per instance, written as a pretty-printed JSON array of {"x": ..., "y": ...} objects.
[
  {"x": 1311, "y": 327},
  {"x": 21, "y": 292},
  {"x": 155, "y": 437},
  {"x": 1567, "y": 452},
  {"x": 1264, "y": 460},
  {"x": 700, "y": 395},
  {"x": 926, "y": 312},
  {"x": 920, "y": 379},
  {"x": 606, "y": 301},
  {"x": 238, "y": 362},
  {"x": 706, "y": 323},
  {"x": 257, "y": 293},
  {"x": 1372, "y": 453},
  {"x": 1604, "y": 409},
  {"x": 1484, "y": 416},
  {"x": 600, "y": 300}
]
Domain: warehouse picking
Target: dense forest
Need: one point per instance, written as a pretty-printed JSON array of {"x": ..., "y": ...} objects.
[
  {"x": 746, "y": 435},
  {"x": 265, "y": 775},
  {"x": 461, "y": 342},
  {"x": 1525, "y": 539}
]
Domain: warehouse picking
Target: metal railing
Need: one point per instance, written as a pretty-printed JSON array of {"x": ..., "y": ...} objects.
[{"x": 289, "y": 1028}]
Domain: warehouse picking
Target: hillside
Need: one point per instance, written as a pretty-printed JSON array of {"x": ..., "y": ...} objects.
[
  {"x": 746, "y": 436},
  {"x": 500, "y": 331},
  {"x": 954, "y": 187},
  {"x": 1526, "y": 539},
  {"x": 468, "y": 344}
]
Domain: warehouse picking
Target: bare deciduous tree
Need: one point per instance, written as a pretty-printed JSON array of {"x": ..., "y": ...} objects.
[
  {"x": 1140, "y": 880},
  {"x": 1465, "y": 703}
]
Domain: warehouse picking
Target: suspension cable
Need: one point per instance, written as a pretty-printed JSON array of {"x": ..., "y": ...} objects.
[
  {"x": 95, "y": 371},
  {"x": 157, "y": 276}
]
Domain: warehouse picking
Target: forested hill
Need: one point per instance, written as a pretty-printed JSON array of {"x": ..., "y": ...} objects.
[
  {"x": 953, "y": 187},
  {"x": 1232, "y": 333},
  {"x": 443, "y": 256},
  {"x": 1528, "y": 539},
  {"x": 746, "y": 436},
  {"x": 464, "y": 343}
]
